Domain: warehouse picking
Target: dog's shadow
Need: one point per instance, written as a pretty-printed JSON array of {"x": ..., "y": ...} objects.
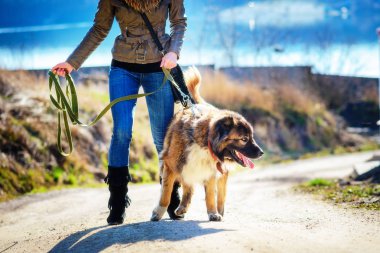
[{"x": 99, "y": 238}]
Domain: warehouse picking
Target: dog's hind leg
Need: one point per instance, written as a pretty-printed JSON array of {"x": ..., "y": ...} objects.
[
  {"x": 222, "y": 189},
  {"x": 168, "y": 178},
  {"x": 187, "y": 194},
  {"x": 210, "y": 188}
]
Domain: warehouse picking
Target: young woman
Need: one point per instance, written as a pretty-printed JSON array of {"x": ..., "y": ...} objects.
[{"x": 136, "y": 61}]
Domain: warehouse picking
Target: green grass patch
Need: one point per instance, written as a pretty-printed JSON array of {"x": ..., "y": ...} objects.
[
  {"x": 369, "y": 146},
  {"x": 320, "y": 182},
  {"x": 57, "y": 174},
  {"x": 357, "y": 196}
]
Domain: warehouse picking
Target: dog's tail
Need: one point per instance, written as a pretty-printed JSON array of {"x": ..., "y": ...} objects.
[{"x": 193, "y": 81}]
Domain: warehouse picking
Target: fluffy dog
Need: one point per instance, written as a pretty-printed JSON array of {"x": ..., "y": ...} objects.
[{"x": 199, "y": 147}]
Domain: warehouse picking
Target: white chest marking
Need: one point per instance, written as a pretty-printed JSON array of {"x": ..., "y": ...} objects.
[{"x": 199, "y": 166}]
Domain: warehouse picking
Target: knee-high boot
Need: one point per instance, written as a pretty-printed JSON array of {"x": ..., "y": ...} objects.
[{"x": 117, "y": 180}]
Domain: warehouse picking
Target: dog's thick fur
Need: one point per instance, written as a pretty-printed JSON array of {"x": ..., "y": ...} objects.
[{"x": 198, "y": 149}]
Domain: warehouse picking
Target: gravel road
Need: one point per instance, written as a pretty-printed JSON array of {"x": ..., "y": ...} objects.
[{"x": 263, "y": 214}]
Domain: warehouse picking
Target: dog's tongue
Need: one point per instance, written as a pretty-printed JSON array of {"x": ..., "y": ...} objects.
[{"x": 247, "y": 162}]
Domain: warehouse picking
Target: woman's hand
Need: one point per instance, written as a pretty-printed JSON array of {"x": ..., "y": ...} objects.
[
  {"x": 169, "y": 60},
  {"x": 62, "y": 68}
]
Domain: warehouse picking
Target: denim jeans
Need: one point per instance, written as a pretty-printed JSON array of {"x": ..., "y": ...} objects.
[{"x": 160, "y": 108}]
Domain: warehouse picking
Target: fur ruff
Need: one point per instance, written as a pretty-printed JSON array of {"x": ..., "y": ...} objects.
[{"x": 143, "y": 5}]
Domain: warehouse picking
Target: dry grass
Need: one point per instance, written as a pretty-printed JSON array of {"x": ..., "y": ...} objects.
[{"x": 221, "y": 90}]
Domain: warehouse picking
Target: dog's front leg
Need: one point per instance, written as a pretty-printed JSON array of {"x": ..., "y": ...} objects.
[
  {"x": 222, "y": 188},
  {"x": 186, "y": 199},
  {"x": 210, "y": 188},
  {"x": 168, "y": 179}
]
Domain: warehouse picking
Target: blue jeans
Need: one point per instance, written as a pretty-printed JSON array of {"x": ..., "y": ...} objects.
[{"x": 160, "y": 108}]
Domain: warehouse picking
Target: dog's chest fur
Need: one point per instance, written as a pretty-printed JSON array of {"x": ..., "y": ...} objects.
[{"x": 199, "y": 166}]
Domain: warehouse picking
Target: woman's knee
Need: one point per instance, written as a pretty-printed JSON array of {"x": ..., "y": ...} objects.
[{"x": 122, "y": 134}]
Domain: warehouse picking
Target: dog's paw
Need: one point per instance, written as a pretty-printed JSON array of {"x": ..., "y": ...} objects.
[
  {"x": 157, "y": 213},
  {"x": 155, "y": 217},
  {"x": 214, "y": 217},
  {"x": 180, "y": 211}
]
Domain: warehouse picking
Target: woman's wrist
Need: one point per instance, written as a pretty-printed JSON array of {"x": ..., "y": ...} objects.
[{"x": 173, "y": 53}]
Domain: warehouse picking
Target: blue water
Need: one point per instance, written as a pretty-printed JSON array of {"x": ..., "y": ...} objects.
[{"x": 334, "y": 36}]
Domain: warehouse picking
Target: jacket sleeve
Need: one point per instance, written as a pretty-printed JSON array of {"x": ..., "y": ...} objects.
[
  {"x": 98, "y": 32},
  {"x": 178, "y": 25}
]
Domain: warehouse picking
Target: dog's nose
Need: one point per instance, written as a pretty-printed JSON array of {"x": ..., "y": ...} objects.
[{"x": 260, "y": 153}]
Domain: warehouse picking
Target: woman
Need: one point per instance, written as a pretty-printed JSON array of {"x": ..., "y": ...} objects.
[{"x": 136, "y": 62}]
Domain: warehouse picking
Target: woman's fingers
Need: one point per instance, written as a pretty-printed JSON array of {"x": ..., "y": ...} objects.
[
  {"x": 59, "y": 71},
  {"x": 62, "y": 68},
  {"x": 163, "y": 63},
  {"x": 62, "y": 72},
  {"x": 171, "y": 65},
  {"x": 167, "y": 64},
  {"x": 54, "y": 69},
  {"x": 169, "y": 61}
]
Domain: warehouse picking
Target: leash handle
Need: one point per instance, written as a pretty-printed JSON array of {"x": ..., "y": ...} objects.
[{"x": 67, "y": 108}]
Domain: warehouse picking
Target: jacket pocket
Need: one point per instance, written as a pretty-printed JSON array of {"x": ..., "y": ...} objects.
[{"x": 123, "y": 48}]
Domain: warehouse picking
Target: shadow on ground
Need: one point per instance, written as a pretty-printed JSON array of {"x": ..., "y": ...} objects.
[{"x": 99, "y": 238}]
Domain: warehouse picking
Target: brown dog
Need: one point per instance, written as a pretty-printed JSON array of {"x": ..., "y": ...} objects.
[{"x": 199, "y": 147}]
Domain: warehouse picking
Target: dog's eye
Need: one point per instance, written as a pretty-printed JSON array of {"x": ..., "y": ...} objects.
[{"x": 245, "y": 139}]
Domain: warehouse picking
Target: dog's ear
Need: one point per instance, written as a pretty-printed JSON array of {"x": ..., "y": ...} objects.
[
  {"x": 220, "y": 132},
  {"x": 223, "y": 126}
]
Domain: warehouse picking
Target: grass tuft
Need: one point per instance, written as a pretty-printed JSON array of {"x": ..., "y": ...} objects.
[
  {"x": 362, "y": 195},
  {"x": 320, "y": 182}
]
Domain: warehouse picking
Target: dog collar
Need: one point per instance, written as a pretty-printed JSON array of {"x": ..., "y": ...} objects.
[
  {"x": 212, "y": 153},
  {"x": 218, "y": 163}
]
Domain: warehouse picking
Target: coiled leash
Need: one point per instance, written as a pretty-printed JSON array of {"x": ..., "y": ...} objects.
[{"x": 67, "y": 107}]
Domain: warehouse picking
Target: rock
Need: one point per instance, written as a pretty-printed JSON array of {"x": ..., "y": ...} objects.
[
  {"x": 368, "y": 171},
  {"x": 375, "y": 157}
]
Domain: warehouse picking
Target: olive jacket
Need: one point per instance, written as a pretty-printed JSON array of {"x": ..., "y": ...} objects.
[{"x": 134, "y": 44}]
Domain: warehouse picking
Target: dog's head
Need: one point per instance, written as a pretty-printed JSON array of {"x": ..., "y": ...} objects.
[{"x": 231, "y": 139}]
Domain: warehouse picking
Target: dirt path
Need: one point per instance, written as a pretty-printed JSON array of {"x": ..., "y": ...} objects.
[{"x": 262, "y": 215}]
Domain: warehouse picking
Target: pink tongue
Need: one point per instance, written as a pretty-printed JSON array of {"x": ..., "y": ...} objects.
[{"x": 247, "y": 162}]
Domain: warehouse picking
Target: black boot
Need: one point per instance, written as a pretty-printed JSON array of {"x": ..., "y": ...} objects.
[
  {"x": 174, "y": 202},
  {"x": 117, "y": 180}
]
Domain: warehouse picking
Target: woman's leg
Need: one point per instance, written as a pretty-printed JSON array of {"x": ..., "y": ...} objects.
[{"x": 122, "y": 83}]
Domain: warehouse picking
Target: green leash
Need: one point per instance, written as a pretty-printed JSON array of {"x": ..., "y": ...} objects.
[{"x": 67, "y": 106}]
